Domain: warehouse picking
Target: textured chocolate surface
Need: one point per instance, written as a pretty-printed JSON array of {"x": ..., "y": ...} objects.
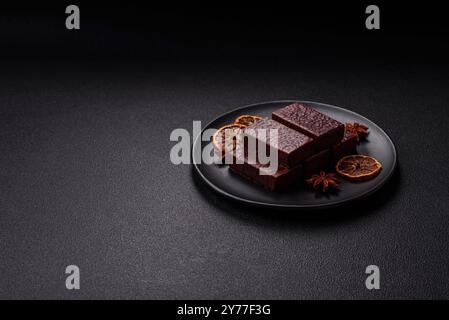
[
  {"x": 307, "y": 119},
  {"x": 325, "y": 130},
  {"x": 280, "y": 180},
  {"x": 292, "y": 146}
]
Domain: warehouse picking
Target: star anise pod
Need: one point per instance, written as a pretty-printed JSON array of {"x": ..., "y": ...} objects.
[
  {"x": 357, "y": 129},
  {"x": 324, "y": 181}
]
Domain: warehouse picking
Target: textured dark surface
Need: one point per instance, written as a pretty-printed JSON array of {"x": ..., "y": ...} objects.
[{"x": 86, "y": 179}]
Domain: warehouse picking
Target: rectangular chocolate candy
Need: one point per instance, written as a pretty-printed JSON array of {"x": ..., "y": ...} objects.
[
  {"x": 325, "y": 130},
  {"x": 292, "y": 146},
  {"x": 281, "y": 180},
  {"x": 347, "y": 146},
  {"x": 316, "y": 163}
]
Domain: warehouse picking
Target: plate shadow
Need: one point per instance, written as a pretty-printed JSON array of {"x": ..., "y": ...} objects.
[{"x": 346, "y": 212}]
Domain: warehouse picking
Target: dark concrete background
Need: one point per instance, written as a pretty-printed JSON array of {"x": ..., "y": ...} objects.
[
  {"x": 86, "y": 177},
  {"x": 87, "y": 180}
]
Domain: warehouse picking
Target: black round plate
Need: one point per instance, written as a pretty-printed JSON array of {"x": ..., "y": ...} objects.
[{"x": 219, "y": 177}]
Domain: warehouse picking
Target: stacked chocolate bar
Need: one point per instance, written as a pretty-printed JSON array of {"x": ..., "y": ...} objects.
[{"x": 308, "y": 141}]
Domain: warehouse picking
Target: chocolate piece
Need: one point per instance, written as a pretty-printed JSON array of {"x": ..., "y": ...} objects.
[
  {"x": 292, "y": 146},
  {"x": 316, "y": 163},
  {"x": 325, "y": 130},
  {"x": 281, "y": 180},
  {"x": 347, "y": 146}
]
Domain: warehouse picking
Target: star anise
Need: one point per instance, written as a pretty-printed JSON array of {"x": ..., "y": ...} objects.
[
  {"x": 357, "y": 129},
  {"x": 324, "y": 181}
]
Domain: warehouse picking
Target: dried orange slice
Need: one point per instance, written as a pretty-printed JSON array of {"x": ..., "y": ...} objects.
[
  {"x": 227, "y": 138},
  {"x": 358, "y": 168},
  {"x": 247, "y": 120}
]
